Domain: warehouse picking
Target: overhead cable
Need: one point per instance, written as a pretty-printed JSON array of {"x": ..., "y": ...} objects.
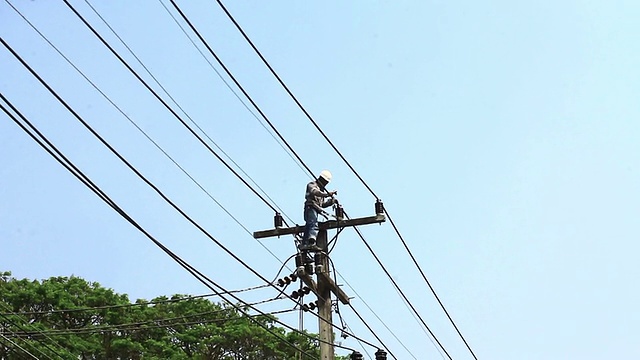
[
  {"x": 136, "y": 304},
  {"x": 375, "y": 314},
  {"x": 238, "y": 84},
  {"x": 181, "y": 108},
  {"x": 233, "y": 91},
  {"x": 143, "y": 325},
  {"x": 144, "y": 133},
  {"x": 235, "y": 81},
  {"x": 19, "y": 347},
  {"x": 45, "y": 345},
  {"x": 353, "y": 170},
  {"x": 395, "y": 284},
  {"x": 164, "y": 103},
  {"x": 359, "y": 316},
  {"x": 144, "y": 179},
  {"x": 180, "y": 119},
  {"x": 65, "y": 1},
  {"x": 198, "y": 275},
  {"x": 292, "y": 96}
]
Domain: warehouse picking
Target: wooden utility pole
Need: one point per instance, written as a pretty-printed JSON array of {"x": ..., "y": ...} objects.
[
  {"x": 325, "y": 285},
  {"x": 325, "y": 328}
]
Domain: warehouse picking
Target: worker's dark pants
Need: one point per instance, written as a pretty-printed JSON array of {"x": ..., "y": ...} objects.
[{"x": 311, "y": 225}]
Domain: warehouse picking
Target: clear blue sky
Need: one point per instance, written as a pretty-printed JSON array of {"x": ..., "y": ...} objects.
[{"x": 502, "y": 137}]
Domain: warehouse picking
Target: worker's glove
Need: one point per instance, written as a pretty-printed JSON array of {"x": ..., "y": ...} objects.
[{"x": 333, "y": 193}]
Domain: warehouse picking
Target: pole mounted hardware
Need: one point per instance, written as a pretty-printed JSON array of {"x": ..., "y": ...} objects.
[
  {"x": 381, "y": 355},
  {"x": 278, "y": 221},
  {"x": 325, "y": 285}
]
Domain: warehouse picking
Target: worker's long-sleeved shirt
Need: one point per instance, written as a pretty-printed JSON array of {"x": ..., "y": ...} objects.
[{"x": 315, "y": 197}]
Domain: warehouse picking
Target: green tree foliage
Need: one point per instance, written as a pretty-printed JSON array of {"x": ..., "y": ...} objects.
[{"x": 105, "y": 325}]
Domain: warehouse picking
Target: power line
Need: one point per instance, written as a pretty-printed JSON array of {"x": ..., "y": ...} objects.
[
  {"x": 129, "y": 165},
  {"x": 145, "y": 133},
  {"x": 67, "y": 3},
  {"x": 195, "y": 134},
  {"x": 279, "y": 142},
  {"x": 284, "y": 85},
  {"x": 53, "y": 151},
  {"x": 424, "y": 277},
  {"x": 407, "y": 303},
  {"x": 19, "y": 347},
  {"x": 291, "y": 94},
  {"x": 13, "y": 334},
  {"x": 235, "y": 81},
  {"x": 136, "y": 304},
  {"x": 164, "y": 103},
  {"x": 217, "y": 58},
  {"x": 395, "y": 284},
  {"x": 140, "y": 325},
  {"x": 369, "y": 327},
  {"x": 362, "y": 319},
  {"x": 181, "y": 108},
  {"x": 142, "y": 177},
  {"x": 122, "y": 158},
  {"x": 362, "y": 347},
  {"x": 8, "y": 349},
  {"x": 11, "y": 322},
  {"x": 85, "y": 180},
  {"x": 376, "y": 315},
  {"x": 353, "y": 170},
  {"x": 178, "y": 117}
]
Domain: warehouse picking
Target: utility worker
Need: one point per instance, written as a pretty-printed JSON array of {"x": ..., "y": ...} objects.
[{"x": 315, "y": 200}]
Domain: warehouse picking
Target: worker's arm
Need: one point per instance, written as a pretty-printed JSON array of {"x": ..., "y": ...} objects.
[
  {"x": 315, "y": 190},
  {"x": 329, "y": 202}
]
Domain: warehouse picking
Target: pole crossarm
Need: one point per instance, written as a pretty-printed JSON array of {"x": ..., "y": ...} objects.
[
  {"x": 328, "y": 281},
  {"x": 308, "y": 281},
  {"x": 325, "y": 285},
  {"x": 325, "y": 225}
]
